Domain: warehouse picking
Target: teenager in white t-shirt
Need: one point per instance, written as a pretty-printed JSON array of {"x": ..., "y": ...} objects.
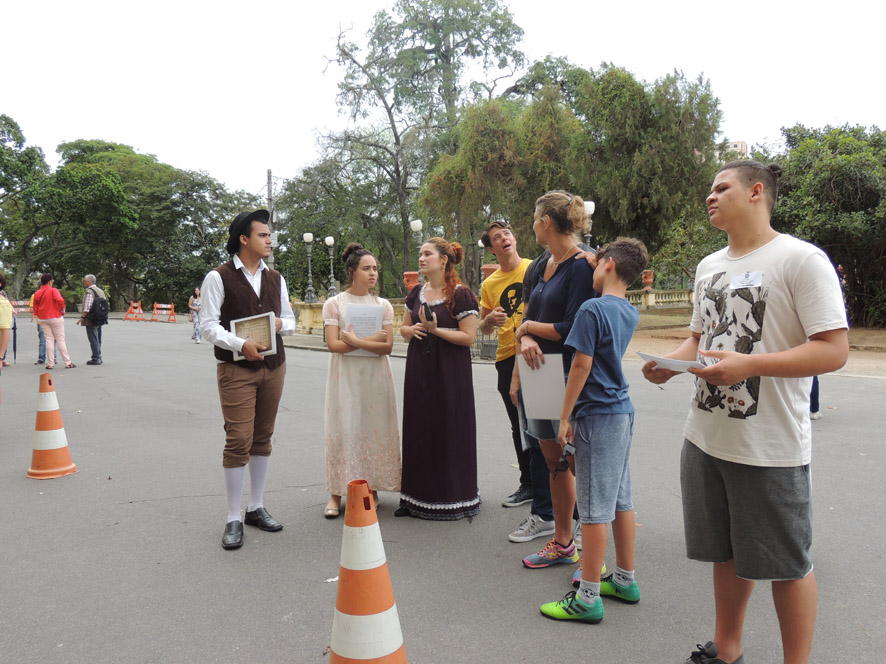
[{"x": 768, "y": 315}]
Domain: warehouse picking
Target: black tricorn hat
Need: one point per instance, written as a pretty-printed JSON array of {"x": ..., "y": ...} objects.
[{"x": 238, "y": 226}]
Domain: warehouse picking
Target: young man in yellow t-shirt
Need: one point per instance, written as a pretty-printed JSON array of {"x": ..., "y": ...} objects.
[{"x": 501, "y": 308}]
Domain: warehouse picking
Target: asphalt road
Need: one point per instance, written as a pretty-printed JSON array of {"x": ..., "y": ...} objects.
[{"x": 122, "y": 561}]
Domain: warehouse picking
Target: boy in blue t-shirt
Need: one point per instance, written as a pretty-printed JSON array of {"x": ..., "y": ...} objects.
[{"x": 602, "y": 421}]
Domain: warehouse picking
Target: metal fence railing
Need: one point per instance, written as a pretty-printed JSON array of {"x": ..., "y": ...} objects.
[{"x": 484, "y": 346}]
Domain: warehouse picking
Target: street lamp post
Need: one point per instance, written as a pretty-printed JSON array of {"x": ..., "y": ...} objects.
[
  {"x": 271, "y": 226},
  {"x": 310, "y": 293},
  {"x": 589, "y": 208},
  {"x": 481, "y": 275},
  {"x": 333, "y": 291},
  {"x": 416, "y": 227},
  {"x": 411, "y": 278}
]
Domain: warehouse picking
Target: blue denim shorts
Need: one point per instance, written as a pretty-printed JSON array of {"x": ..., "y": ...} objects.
[
  {"x": 602, "y": 472},
  {"x": 543, "y": 429}
]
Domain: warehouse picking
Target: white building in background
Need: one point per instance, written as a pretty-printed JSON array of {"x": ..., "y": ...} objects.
[{"x": 741, "y": 147}]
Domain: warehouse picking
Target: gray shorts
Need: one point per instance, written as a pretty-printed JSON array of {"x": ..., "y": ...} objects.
[
  {"x": 760, "y": 516},
  {"x": 602, "y": 474}
]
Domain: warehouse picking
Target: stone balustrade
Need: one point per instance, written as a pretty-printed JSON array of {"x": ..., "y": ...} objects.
[
  {"x": 649, "y": 299},
  {"x": 309, "y": 317}
]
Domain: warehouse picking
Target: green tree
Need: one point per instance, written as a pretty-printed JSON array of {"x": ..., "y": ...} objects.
[
  {"x": 147, "y": 230},
  {"x": 687, "y": 241},
  {"x": 66, "y": 217},
  {"x": 647, "y": 152},
  {"x": 421, "y": 50},
  {"x": 476, "y": 184},
  {"x": 548, "y": 133},
  {"x": 833, "y": 194},
  {"x": 348, "y": 200},
  {"x": 21, "y": 169},
  {"x": 409, "y": 81},
  {"x": 135, "y": 258},
  {"x": 20, "y": 166},
  {"x": 509, "y": 154},
  {"x": 180, "y": 224},
  {"x": 644, "y": 154},
  {"x": 553, "y": 71}
]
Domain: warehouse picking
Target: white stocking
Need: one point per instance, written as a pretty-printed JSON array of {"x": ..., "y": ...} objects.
[
  {"x": 235, "y": 478},
  {"x": 258, "y": 473}
]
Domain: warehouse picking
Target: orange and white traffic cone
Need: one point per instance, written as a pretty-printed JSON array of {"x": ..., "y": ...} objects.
[
  {"x": 51, "y": 455},
  {"x": 366, "y": 626}
]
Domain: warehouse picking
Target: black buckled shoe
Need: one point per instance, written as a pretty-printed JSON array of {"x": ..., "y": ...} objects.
[
  {"x": 233, "y": 537},
  {"x": 260, "y": 518}
]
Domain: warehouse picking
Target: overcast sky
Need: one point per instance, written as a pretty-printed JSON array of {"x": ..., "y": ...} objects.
[{"x": 236, "y": 88}]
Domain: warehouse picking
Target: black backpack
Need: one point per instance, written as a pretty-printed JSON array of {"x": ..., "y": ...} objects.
[{"x": 98, "y": 312}]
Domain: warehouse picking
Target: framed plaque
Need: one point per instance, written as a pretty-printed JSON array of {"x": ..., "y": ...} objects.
[{"x": 260, "y": 329}]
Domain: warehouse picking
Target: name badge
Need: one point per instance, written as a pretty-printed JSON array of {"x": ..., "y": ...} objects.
[{"x": 746, "y": 280}]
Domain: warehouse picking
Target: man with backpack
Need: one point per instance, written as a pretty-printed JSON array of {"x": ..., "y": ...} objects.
[{"x": 95, "y": 314}]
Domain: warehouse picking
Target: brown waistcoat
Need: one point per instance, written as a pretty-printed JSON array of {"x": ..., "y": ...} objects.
[{"x": 241, "y": 301}]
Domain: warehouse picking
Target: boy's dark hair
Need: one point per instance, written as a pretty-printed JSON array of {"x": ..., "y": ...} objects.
[
  {"x": 630, "y": 257},
  {"x": 2, "y": 281},
  {"x": 498, "y": 223},
  {"x": 750, "y": 172}
]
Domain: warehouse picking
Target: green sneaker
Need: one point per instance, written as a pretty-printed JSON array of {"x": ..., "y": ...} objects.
[
  {"x": 629, "y": 594},
  {"x": 572, "y": 608}
]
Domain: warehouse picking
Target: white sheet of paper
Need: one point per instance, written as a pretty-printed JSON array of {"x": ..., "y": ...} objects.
[
  {"x": 544, "y": 388},
  {"x": 672, "y": 365},
  {"x": 366, "y": 319}
]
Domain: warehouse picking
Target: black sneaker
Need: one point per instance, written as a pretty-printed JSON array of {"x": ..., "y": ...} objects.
[
  {"x": 707, "y": 654},
  {"x": 521, "y": 496}
]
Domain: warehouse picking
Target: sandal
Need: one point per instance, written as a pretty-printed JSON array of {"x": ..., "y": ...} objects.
[{"x": 71, "y": 366}]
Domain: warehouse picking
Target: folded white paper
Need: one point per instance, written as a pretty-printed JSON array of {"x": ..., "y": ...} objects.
[{"x": 671, "y": 365}]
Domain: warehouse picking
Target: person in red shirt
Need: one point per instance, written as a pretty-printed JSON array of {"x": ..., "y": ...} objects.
[{"x": 49, "y": 307}]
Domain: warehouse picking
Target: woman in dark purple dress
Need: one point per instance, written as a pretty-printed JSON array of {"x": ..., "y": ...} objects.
[{"x": 439, "y": 478}]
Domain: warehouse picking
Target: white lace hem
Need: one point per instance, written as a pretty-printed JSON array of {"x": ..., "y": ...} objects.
[{"x": 440, "y": 506}]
